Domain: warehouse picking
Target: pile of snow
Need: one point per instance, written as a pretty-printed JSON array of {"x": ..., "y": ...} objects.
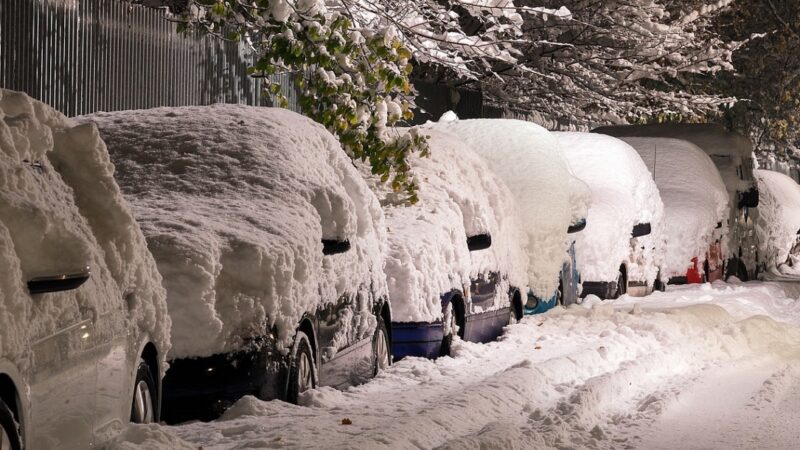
[
  {"x": 779, "y": 221},
  {"x": 60, "y": 211},
  {"x": 694, "y": 197},
  {"x": 599, "y": 376},
  {"x": 529, "y": 160},
  {"x": 428, "y": 256},
  {"x": 234, "y": 201},
  {"x": 623, "y": 195}
]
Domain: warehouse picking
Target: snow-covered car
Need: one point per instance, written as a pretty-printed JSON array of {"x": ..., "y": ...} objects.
[
  {"x": 732, "y": 154},
  {"x": 550, "y": 200},
  {"x": 271, "y": 246},
  {"x": 695, "y": 208},
  {"x": 456, "y": 260},
  {"x": 617, "y": 252},
  {"x": 778, "y": 222},
  {"x": 84, "y": 329}
]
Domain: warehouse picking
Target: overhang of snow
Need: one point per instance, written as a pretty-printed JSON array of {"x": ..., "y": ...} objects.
[
  {"x": 529, "y": 160},
  {"x": 694, "y": 196},
  {"x": 778, "y": 220},
  {"x": 234, "y": 201},
  {"x": 61, "y": 211},
  {"x": 428, "y": 256},
  {"x": 623, "y": 195}
]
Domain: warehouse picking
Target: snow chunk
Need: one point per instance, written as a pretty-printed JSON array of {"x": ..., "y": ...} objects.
[
  {"x": 428, "y": 255},
  {"x": 529, "y": 160},
  {"x": 694, "y": 196},
  {"x": 779, "y": 221},
  {"x": 60, "y": 211},
  {"x": 623, "y": 195},
  {"x": 234, "y": 201}
]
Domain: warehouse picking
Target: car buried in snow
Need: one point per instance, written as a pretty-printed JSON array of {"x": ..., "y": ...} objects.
[
  {"x": 732, "y": 154},
  {"x": 616, "y": 252},
  {"x": 84, "y": 329},
  {"x": 695, "y": 208},
  {"x": 456, "y": 264},
  {"x": 551, "y": 202},
  {"x": 271, "y": 246},
  {"x": 778, "y": 224}
]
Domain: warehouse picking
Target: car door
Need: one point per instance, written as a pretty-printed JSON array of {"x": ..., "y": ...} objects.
[{"x": 64, "y": 376}]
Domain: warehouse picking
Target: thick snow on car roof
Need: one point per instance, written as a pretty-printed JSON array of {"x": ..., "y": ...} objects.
[
  {"x": 428, "y": 256},
  {"x": 529, "y": 160},
  {"x": 694, "y": 196},
  {"x": 623, "y": 195},
  {"x": 728, "y": 150},
  {"x": 60, "y": 211},
  {"x": 234, "y": 201},
  {"x": 779, "y": 219}
]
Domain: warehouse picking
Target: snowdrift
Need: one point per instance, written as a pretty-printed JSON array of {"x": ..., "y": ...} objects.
[
  {"x": 623, "y": 195},
  {"x": 60, "y": 211},
  {"x": 458, "y": 197},
  {"x": 529, "y": 160},
  {"x": 694, "y": 196},
  {"x": 778, "y": 223},
  {"x": 234, "y": 201}
]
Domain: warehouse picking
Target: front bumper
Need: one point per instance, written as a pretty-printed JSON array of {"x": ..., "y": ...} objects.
[{"x": 202, "y": 388}]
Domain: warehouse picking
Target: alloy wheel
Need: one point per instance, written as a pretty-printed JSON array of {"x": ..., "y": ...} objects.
[{"x": 142, "y": 403}]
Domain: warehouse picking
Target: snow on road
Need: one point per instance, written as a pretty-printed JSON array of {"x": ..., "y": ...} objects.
[{"x": 711, "y": 366}]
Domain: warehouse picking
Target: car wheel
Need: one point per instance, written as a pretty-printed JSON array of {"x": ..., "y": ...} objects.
[
  {"x": 302, "y": 375},
  {"x": 449, "y": 328},
  {"x": 9, "y": 431},
  {"x": 143, "y": 406},
  {"x": 381, "y": 356},
  {"x": 622, "y": 286}
]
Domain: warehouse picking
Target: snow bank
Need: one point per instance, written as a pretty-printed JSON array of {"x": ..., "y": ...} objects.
[
  {"x": 60, "y": 211},
  {"x": 528, "y": 159},
  {"x": 580, "y": 377},
  {"x": 428, "y": 256},
  {"x": 779, "y": 221},
  {"x": 694, "y": 196},
  {"x": 235, "y": 201},
  {"x": 623, "y": 195}
]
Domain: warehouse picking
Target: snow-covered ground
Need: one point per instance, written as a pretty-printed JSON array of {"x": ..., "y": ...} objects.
[{"x": 703, "y": 366}]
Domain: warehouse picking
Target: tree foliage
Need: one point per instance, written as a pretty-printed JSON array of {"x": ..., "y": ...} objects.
[
  {"x": 352, "y": 79},
  {"x": 766, "y": 79}
]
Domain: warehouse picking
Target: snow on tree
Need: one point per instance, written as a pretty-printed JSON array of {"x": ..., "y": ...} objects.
[{"x": 614, "y": 61}]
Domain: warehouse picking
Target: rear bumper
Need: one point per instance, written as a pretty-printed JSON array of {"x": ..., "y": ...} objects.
[
  {"x": 421, "y": 339},
  {"x": 202, "y": 388}
]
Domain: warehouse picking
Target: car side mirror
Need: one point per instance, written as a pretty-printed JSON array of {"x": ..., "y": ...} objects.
[
  {"x": 56, "y": 283},
  {"x": 334, "y": 247},
  {"x": 479, "y": 242},
  {"x": 640, "y": 229},
  {"x": 577, "y": 226}
]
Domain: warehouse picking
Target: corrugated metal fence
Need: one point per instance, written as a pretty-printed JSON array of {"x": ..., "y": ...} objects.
[{"x": 82, "y": 56}]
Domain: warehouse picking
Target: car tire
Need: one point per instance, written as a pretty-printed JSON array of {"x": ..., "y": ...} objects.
[
  {"x": 381, "y": 354},
  {"x": 449, "y": 325},
  {"x": 143, "y": 405},
  {"x": 9, "y": 430},
  {"x": 302, "y": 374},
  {"x": 622, "y": 285}
]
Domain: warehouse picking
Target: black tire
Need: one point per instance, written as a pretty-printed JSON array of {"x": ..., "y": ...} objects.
[
  {"x": 659, "y": 285},
  {"x": 560, "y": 293},
  {"x": 622, "y": 285},
  {"x": 9, "y": 429},
  {"x": 302, "y": 374},
  {"x": 381, "y": 348},
  {"x": 741, "y": 272},
  {"x": 447, "y": 339},
  {"x": 145, "y": 395}
]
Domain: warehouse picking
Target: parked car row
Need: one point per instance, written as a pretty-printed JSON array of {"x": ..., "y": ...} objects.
[{"x": 243, "y": 249}]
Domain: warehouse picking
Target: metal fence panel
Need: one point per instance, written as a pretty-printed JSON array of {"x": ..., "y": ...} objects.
[{"x": 83, "y": 56}]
